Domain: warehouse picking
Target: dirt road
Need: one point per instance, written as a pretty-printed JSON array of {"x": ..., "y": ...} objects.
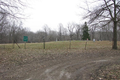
[{"x": 72, "y": 66}]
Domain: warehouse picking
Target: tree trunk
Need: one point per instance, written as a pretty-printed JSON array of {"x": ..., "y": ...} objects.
[
  {"x": 114, "y": 46},
  {"x": 70, "y": 44},
  {"x": 115, "y": 28}
]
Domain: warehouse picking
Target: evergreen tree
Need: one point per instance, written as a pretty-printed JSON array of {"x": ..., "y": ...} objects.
[{"x": 85, "y": 35}]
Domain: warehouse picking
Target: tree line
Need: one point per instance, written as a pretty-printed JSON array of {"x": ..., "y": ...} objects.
[{"x": 14, "y": 33}]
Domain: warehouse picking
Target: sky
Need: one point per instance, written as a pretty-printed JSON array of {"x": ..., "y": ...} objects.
[{"x": 52, "y": 12}]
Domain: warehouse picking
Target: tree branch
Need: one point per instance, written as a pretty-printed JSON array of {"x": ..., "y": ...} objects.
[{"x": 108, "y": 8}]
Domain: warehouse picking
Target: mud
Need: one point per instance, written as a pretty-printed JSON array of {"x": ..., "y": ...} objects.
[{"x": 72, "y": 66}]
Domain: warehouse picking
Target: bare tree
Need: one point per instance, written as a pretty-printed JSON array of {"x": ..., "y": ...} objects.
[
  {"x": 78, "y": 30},
  {"x": 92, "y": 30},
  {"x": 52, "y": 35},
  {"x": 64, "y": 33},
  {"x": 108, "y": 11},
  {"x": 46, "y": 31},
  {"x": 71, "y": 28},
  {"x": 60, "y": 31},
  {"x": 9, "y": 10},
  {"x": 3, "y": 34}
]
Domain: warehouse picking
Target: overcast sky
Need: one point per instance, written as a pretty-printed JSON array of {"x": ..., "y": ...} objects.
[{"x": 52, "y": 12}]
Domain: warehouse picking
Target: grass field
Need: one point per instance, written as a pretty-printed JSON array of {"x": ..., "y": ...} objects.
[
  {"x": 63, "y": 45},
  {"x": 57, "y": 47},
  {"x": 60, "y": 47}
]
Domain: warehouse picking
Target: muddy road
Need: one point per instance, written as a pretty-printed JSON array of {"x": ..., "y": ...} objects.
[{"x": 72, "y": 66}]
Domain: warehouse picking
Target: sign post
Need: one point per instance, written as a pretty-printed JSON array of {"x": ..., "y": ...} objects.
[
  {"x": 44, "y": 42},
  {"x": 86, "y": 43},
  {"x": 25, "y": 39}
]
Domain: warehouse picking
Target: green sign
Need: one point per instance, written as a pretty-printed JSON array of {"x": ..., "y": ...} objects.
[{"x": 25, "y": 38}]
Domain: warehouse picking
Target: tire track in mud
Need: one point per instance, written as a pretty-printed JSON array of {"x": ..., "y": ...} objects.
[
  {"x": 62, "y": 67},
  {"x": 54, "y": 67},
  {"x": 27, "y": 70},
  {"x": 74, "y": 70}
]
